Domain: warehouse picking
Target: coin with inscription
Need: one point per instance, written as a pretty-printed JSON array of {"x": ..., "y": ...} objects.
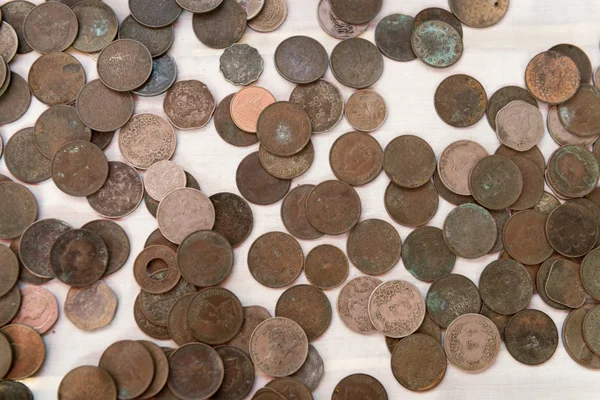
[
  {"x": 419, "y": 362},
  {"x": 496, "y": 182},
  {"x": 10, "y": 270},
  {"x": 284, "y": 128},
  {"x": 359, "y": 384},
  {"x": 146, "y": 325},
  {"x": 287, "y": 167},
  {"x": 37, "y": 241},
  {"x": 470, "y": 231},
  {"x": 326, "y": 267},
  {"x": 460, "y": 101},
  {"x": 222, "y": 27},
  {"x": 409, "y": 161},
  {"x": 356, "y": 158},
  {"x": 156, "y": 40},
  {"x": 438, "y": 14},
  {"x": 189, "y": 104},
  {"x": 24, "y": 160},
  {"x": 572, "y": 171},
  {"x": 572, "y": 230},
  {"x": 293, "y": 214},
  {"x": 79, "y": 168},
  {"x": 353, "y": 303},
  {"x": 451, "y": 296},
  {"x": 29, "y": 351},
  {"x": 366, "y": 110},
  {"x": 572, "y": 338},
  {"x": 39, "y": 309},
  {"x": 426, "y": 255},
  {"x": 275, "y": 259},
  {"x": 505, "y": 287},
  {"x": 92, "y": 382},
  {"x": 308, "y": 306},
  {"x": 334, "y": 26},
  {"x": 356, "y": 63},
  {"x": 124, "y": 65},
  {"x": 356, "y": 12},
  {"x": 14, "y": 13},
  {"x": 164, "y": 74},
  {"x": 103, "y": 109},
  {"x": 256, "y": 184},
  {"x": 239, "y": 374},
  {"x": 411, "y": 207},
  {"x": 10, "y": 303},
  {"x": 215, "y": 316},
  {"x": 322, "y": 101},
  {"x": 456, "y": 163},
  {"x": 502, "y": 97},
  {"x": 271, "y": 17},
  {"x": 15, "y": 101},
  {"x": 227, "y": 129},
  {"x": 79, "y": 257},
  {"x": 392, "y": 36},
  {"x": 156, "y": 307},
  {"x": 58, "y": 126},
  {"x": 121, "y": 194},
  {"x": 333, "y": 207},
  {"x": 241, "y": 64},
  {"x": 531, "y": 337},
  {"x": 552, "y": 77},
  {"x": 301, "y": 59},
  {"x": 184, "y": 211},
  {"x": 131, "y": 366},
  {"x": 579, "y": 58},
  {"x": 561, "y": 135},
  {"x": 147, "y": 139},
  {"x": 50, "y": 27},
  {"x": 233, "y": 217},
  {"x": 90, "y": 15},
  {"x": 19, "y": 209},
  {"x": 196, "y": 371},
  {"x": 91, "y": 307},
  {"x": 563, "y": 284},
  {"x": 437, "y": 44},
  {"x": 253, "y": 316},
  {"x": 472, "y": 342},
  {"x": 116, "y": 240},
  {"x": 155, "y": 13},
  {"x": 56, "y": 78},
  {"x": 247, "y": 106},
  {"x": 396, "y": 308},
  {"x": 374, "y": 246}
]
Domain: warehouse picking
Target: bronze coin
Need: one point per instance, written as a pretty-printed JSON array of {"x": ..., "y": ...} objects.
[
  {"x": 301, "y": 59},
  {"x": 572, "y": 230},
  {"x": 161, "y": 369},
  {"x": 333, "y": 207},
  {"x": 533, "y": 184},
  {"x": 92, "y": 383},
  {"x": 91, "y": 307},
  {"x": 275, "y": 259},
  {"x": 438, "y": 14},
  {"x": 253, "y": 316},
  {"x": 472, "y": 342},
  {"x": 147, "y": 139},
  {"x": 19, "y": 209},
  {"x": 356, "y": 63},
  {"x": 572, "y": 337},
  {"x": 392, "y": 37},
  {"x": 563, "y": 284},
  {"x": 171, "y": 274},
  {"x": 451, "y": 296},
  {"x": 124, "y": 73},
  {"x": 227, "y": 129},
  {"x": 579, "y": 58},
  {"x": 572, "y": 171},
  {"x": 470, "y": 231},
  {"x": 547, "y": 203},
  {"x": 79, "y": 168},
  {"x": 116, "y": 240},
  {"x": 10, "y": 304},
  {"x": 312, "y": 371},
  {"x": 233, "y": 217},
  {"x": 58, "y": 126},
  {"x": 531, "y": 337},
  {"x": 256, "y": 184},
  {"x": 502, "y": 97},
  {"x": 363, "y": 384},
  {"x": 354, "y": 12},
  {"x": 155, "y": 13},
  {"x": 15, "y": 101},
  {"x": 156, "y": 40},
  {"x": 56, "y": 78},
  {"x": 479, "y": 13},
  {"x": 189, "y": 104},
  {"x": 24, "y": 160},
  {"x": 437, "y": 44},
  {"x": 448, "y": 195},
  {"x": 324, "y": 113},
  {"x": 545, "y": 70},
  {"x": 197, "y": 371},
  {"x": 419, "y": 362},
  {"x": 248, "y": 104},
  {"x": 356, "y": 158},
  {"x": 293, "y": 214},
  {"x": 29, "y": 351},
  {"x": 428, "y": 327},
  {"x": 9, "y": 274},
  {"x": 271, "y": 17},
  {"x": 411, "y": 207},
  {"x": 591, "y": 324},
  {"x": 505, "y": 287},
  {"x": 287, "y": 167},
  {"x": 534, "y": 154},
  {"x": 14, "y": 13},
  {"x": 148, "y": 327},
  {"x": 353, "y": 303},
  {"x": 456, "y": 163},
  {"x": 103, "y": 109},
  {"x": 37, "y": 241},
  {"x": 156, "y": 307},
  {"x": 409, "y": 161},
  {"x": 308, "y": 306},
  {"x": 90, "y": 14},
  {"x": 184, "y": 211},
  {"x": 222, "y": 27},
  {"x": 15, "y": 390},
  {"x": 589, "y": 273},
  {"x": 498, "y": 319},
  {"x": 50, "y": 27},
  {"x": 290, "y": 388},
  {"x": 326, "y": 267},
  {"x": 460, "y": 101},
  {"x": 500, "y": 217},
  {"x": 164, "y": 74},
  {"x": 561, "y": 135},
  {"x": 542, "y": 278},
  {"x": 578, "y": 114},
  {"x": 366, "y": 110},
  {"x": 267, "y": 393},
  {"x": 426, "y": 255},
  {"x": 205, "y": 258},
  {"x": 215, "y": 316},
  {"x": 156, "y": 238},
  {"x": 177, "y": 321},
  {"x": 9, "y": 42},
  {"x": 24, "y": 274},
  {"x": 239, "y": 374},
  {"x": 396, "y": 308},
  {"x": 374, "y": 246},
  {"x": 496, "y": 182},
  {"x": 284, "y": 128},
  {"x": 121, "y": 194},
  {"x": 524, "y": 237}
]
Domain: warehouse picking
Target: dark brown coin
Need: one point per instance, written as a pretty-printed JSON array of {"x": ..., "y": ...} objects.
[
  {"x": 470, "y": 231},
  {"x": 326, "y": 267},
  {"x": 91, "y": 307},
  {"x": 409, "y": 161},
  {"x": 448, "y": 195},
  {"x": 366, "y": 110},
  {"x": 189, "y": 104},
  {"x": 572, "y": 230},
  {"x": 505, "y": 287},
  {"x": 121, "y": 194},
  {"x": 589, "y": 273},
  {"x": 215, "y": 316},
  {"x": 525, "y": 239},
  {"x": 267, "y": 393},
  {"x": 572, "y": 337},
  {"x": 161, "y": 369},
  {"x": 392, "y": 36},
  {"x": 356, "y": 12},
  {"x": 578, "y": 114},
  {"x": 79, "y": 257},
  {"x": 374, "y": 246},
  {"x": 169, "y": 278},
  {"x": 239, "y": 374},
  {"x": 91, "y": 14},
  {"x": 9, "y": 305},
  {"x": 284, "y": 128},
  {"x": 460, "y": 101},
  {"x": 19, "y": 209},
  {"x": 58, "y": 126},
  {"x": 124, "y": 65},
  {"x": 37, "y": 241},
  {"x": 542, "y": 278},
  {"x": 419, "y": 362},
  {"x": 308, "y": 306},
  {"x": 356, "y": 158},
  {"x": 479, "y": 13},
  {"x": 563, "y": 284},
  {"x": 177, "y": 321},
  {"x": 156, "y": 40},
  {"x": 552, "y": 77},
  {"x": 323, "y": 103},
  {"x": 533, "y": 184},
  {"x": 256, "y": 184},
  {"x": 356, "y": 63},
  {"x": 24, "y": 160},
  {"x": 301, "y": 59},
  {"x": 10, "y": 270},
  {"x": 572, "y": 171},
  {"x": 87, "y": 381},
  {"x": 451, "y": 296},
  {"x": 103, "y": 109},
  {"x": 50, "y": 27},
  {"x": 496, "y": 182},
  {"x": 164, "y": 74},
  {"x": 56, "y": 78},
  {"x": 233, "y": 217},
  {"x": 227, "y": 129},
  {"x": 500, "y": 217},
  {"x": 312, "y": 371},
  {"x": 502, "y": 97},
  {"x": 79, "y": 168},
  {"x": 156, "y": 307},
  {"x": 290, "y": 388},
  {"x": 222, "y": 27},
  {"x": 591, "y": 325},
  {"x": 287, "y": 167},
  {"x": 531, "y": 337},
  {"x": 547, "y": 203},
  {"x": 591, "y": 207},
  {"x": 428, "y": 327},
  {"x": 205, "y": 258},
  {"x": 131, "y": 366},
  {"x": 411, "y": 207},
  {"x": 29, "y": 351},
  {"x": 293, "y": 214},
  {"x": 15, "y": 390},
  {"x": 437, "y": 44},
  {"x": 14, "y": 13},
  {"x": 24, "y": 274},
  {"x": 197, "y": 371},
  {"x": 426, "y": 255},
  {"x": 498, "y": 319},
  {"x": 333, "y": 207},
  {"x": 561, "y": 135},
  {"x": 275, "y": 259},
  {"x": 359, "y": 384},
  {"x": 579, "y": 58},
  {"x": 253, "y": 316},
  {"x": 148, "y": 327},
  {"x": 155, "y": 13},
  {"x": 438, "y": 14},
  {"x": 15, "y": 100}
]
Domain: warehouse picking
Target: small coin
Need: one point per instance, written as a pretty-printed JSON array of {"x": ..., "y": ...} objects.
[
  {"x": 470, "y": 231},
  {"x": 456, "y": 163},
  {"x": 366, "y": 110},
  {"x": 519, "y": 125},
  {"x": 561, "y": 135},
  {"x": 577, "y": 114},
  {"x": 163, "y": 177},
  {"x": 103, "y": 109},
  {"x": 531, "y": 337},
  {"x": 91, "y": 307},
  {"x": 88, "y": 381},
  {"x": 58, "y": 126},
  {"x": 359, "y": 383},
  {"x": 572, "y": 230},
  {"x": 426, "y": 255},
  {"x": 164, "y": 74},
  {"x": 293, "y": 214},
  {"x": 241, "y": 64},
  {"x": 479, "y": 13},
  {"x": 79, "y": 257},
  {"x": 312, "y": 371},
  {"x": 502, "y": 97},
  {"x": 356, "y": 13},
  {"x": 451, "y": 296},
  {"x": 524, "y": 237},
  {"x": 233, "y": 217},
  {"x": 79, "y": 168},
  {"x": 572, "y": 337},
  {"x": 156, "y": 307},
  {"x": 460, "y": 101},
  {"x": 322, "y": 101},
  {"x": 257, "y": 185},
  {"x": 24, "y": 274},
  {"x": 148, "y": 327},
  {"x": 279, "y": 347},
  {"x": 155, "y": 13},
  {"x": 496, "y": 182},
  {"x": 392, "y": 36},
  {"x": 90, "y": 15},
  {"x": 472, "y": 342},
  {"x": 437, "y": 44},
  {"x": 411, "y": 207},
  {"x": 156, "y": 40},
  {"x": 505, "y": 287},
  {"x": 333, "y": 207},
  {"x": 308, "y": 306},
  {"x": 19, "y": 209},
  {"x": 222, "y": 27},
  {"x": 215, "y": 316},
  {"x": 15, "y": 101},
  {"x": 189, "y": 104},
  {"x": 247, "y": 105},
  {"x": 572, "y": 171},
  {"x": 227, "y": 129},
  {"x": 419, "y": 362},
  {"x": 10, "y": 270},
  {"x": 271, "y": 17},
  {"x": 547, "y": 68},
  {"x": 275, "y": 259},
  {"x": 287, "y": 167},
  {"x": 56, "y": 78},
  {"x": 533, "y": 184},
  {"x": 284, "y": 128},
  {"x": 14, "y": 13},
  {"x": 449, "y": 195},
  {"x": 334, "y": 26},
  {"x": 147, "y": 139},
  {"x": 37, "y": 241},
  {"x": 24, "y": 160},
  {"x": 205, "y": 258},
  {"x": 579, "y": 58},
  {"x": 301, "y": 59},
  {"x": 197, "y": 371},
  {"x": 290, "y": 388},
  {"x": 409, "y": 161},
  {"x": 438, "y": 14},
  {"x": 547, "y": 203},
  {"x": 10, "y": 304},
  {"x": 9, "y": 42},
  {"x": 353, "y": 303},
  {"x": 356, "y": 158},
  {"x": 121, "y": 194},
  {"x": 39, "y": 309},
  {"x": 177, "y": 321},
  {"x": 50, "y": 27},
  {"x": 396, "y": 308},
  {"x": 564, "y": 285},
  {"x": 15, "y": 390},
  {"x": 356, "y": 63},
  {"x": 124, "y": 65},
  {"x": 239, "y": 374},
  {"x": 29, "y": 351},
  {"x": 374, "y": 246},
  {"x": 326, "y": 267},
  {"x": 253, "y": 316},
  {"x": 116, "y": 240},
  {"x": 169, "y": 277}
]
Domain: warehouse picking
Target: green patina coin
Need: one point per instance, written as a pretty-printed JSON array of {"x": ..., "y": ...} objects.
[
  {"x": 572, "y": 171},
  {"x": 451, "y": 296},
  {"x": 437, "y": 44},
  {"x": 426, "y": 255}
]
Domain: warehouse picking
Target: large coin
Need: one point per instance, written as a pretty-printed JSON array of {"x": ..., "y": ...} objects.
[
  {"x": 409, "y": 161},
  {"x": 79, "y": 257},
  {"x": 437, "y": 44},
  {"x": 531, "y": 337},
  {"x": 472, "y": 342},
  {"x": 50, "y": 27},
  {"x": 189, "y": 104},
  {"x": 524, "y": 237},
  {"x": 15, "y": 101},
  {"x": 356, "y": 12},
  {"x": 58, "y": 126},
  {"x": 241, "y": 64},
  {"x": 215, "y": 316},
  {"x": 572, "y": 337},
  {"x": 124, "y": 65},
  {"x": 275, "y": 259},
  {"x": 470, "y": 231},
  {"x": 301, "y": 59},
  {"x": 451, "y": 296},
  {"x": 426, "y": 255},
  {"x": 411, "y": 207},
  {"x": 572, "y": 230},
  {"x": 131, "y": 366},
  {"x": 227, "y": 129},
  {"x": 29, "y": 351},
  {"x": 364, "y": 384},
  {"x": 572, "y": 171},
  {"x": 256, "y": 184},
  {"x": 19, "y": 209},
  {"x": 578, "y": 114},
  {"x": 222, "y": 27},
  {"x": 392, "y": 36},
  {"x": 460, "y": 101},
  {"x": 164, "y": 74},
  {"x": 93, "y": 383},
  {"x": 155, "y": 13},
  {"x": 205, "y": 258},
  {"x": 366, "y": 110},
  {"x": 247, "y": 105},
  {"x": 24, "y": 160},
  {"x": 37, "y": 241},
  {"x": 233, "y": 217},
  {"x": 545, "y": 70},
  {"x": 121, "y": 194},
  {"x": 479, "y": 13},
  {"x": 79, "y": 168},
  {"x": 147, "y": 139},
  {"x": 505, "y": 287},
  {"x": 396, "y": 308},
  {"x": 14, "y": 13},
  {"x": 333, "y": 207},
  {"x": 374, "y": 246},
  {"x": 56, "y": 78},
  {"x": 197, "y": 371},
  {"x": 502, "y": 97},
  {"x": 419, "y": 362},
  {"x": 356, "y": 63},
  {"x": 356, "y": 158},
  {"x": 456, "y": 163},
  {"x": 308, "y": 306},
  {"x": 334, "y": 26},
  {"x": 92, "y": 14},
  {"x": 91, "y": 307},
  {"x": 353, "y": 303},
  {"x": 103, "y": 109},
  {"x": 496, "y": 182},
  {"x": 156, "y": 40},
  {"x": 293, "y": 214},
  {"x": 326, "y": 266},
  {"x": 184, "y": 211},
  {"x": 284, "y": 128}
]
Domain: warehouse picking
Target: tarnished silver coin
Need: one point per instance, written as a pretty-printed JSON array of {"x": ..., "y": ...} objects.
[
  {"x": 189, "y": 104},
  {"x": 163, "y": 76},
  {"x": 334, "y": 26},
  {"x": 519, "y": 125},
  {"x": 241, "y": 64}
]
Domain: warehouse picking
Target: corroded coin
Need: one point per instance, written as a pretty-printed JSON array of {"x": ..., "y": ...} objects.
[
  {"x": 287, "y": 167},
  {"x": 472, "y": 342},
  {"x": 505, "y": 287},
  {"x": 392, "y": 36},
  {"x": 531, "y": 337},
  {"x": 189, "y": 104},
  {"x": 374, "y": 246},
  {"x": 184, "y": 211},
  {"x": 356, "y": 158},
  {"x": 356, "y": 63},
  {"x": 437, "y": 44},
  {"x": 456, "y": 163},
  {"x": 563, "y": 284},
  {"x": 15, "y": 390},
  {"x": 409, "y": 161},
  {"x": 39, "y": 309},
  {"x": 58, "y": 126},
  {"x": 323, "y": 103},
  {"x": 161, "y": 369},
  {"x": 215, "y": 316},
  {"x": 419, "y": 362},
  {"x": 326, "y": 266},
  {"x": 312, "y": 371},
  {"x": 496, "y": 182},
  {"x": 15, "y": 101},
  {"x": 177, "y": 321},
  {"x": 227, "y": 129},
  {"x": 56, "y": 78},
  {"x": 256, "y": 184},
  {"x": 37, "y": 241},
  {"x": 591, "y": 324},
  {"x": 498, "y": 319},
  {"x": 534, "y": 154},
  {"x": 205, "y": 258},
  {"x": 29, "y": 351},
  {"x": 10, "y": 270},
  {"x": 116, "y": 240},
  {"x": 50, "y": 27},
  {"x": 275, "y": 259},
  {"x": 396, "y": 308},
  {"x": 164, "y": 74},
  {"x": 572, "y": 337},
  {"x": 353, "y": 303},
  {"x": 359, "y": 383},
  {"x": 241, "y": 64},
  {"x": 524, "y": 237},
  {"x": 428, "y": 327},
  {"x": 451, "y": 296},
  {"x": 293, "y": 214},
  {"x": 147, "y": 139},
  {"x": 156, "y": 40},
  {"x": 14, "y": 13},
  {"x": 19, "y": 209},
  {"x": 333, "y": 207},
  {"x": 552, "y": 77},
  {"x": 247, "y": 106},
  {"x": 290, "y": 388},
  {"x": 426, "y": 255},
  {"x": 301, "y": 59},
  {"x": 502, "y": 97},
  {"x": 124, "y": 65},
  {"x": 146, "y": 325},
  {"x": 470, "y": 231},
  {"x": 479, "y": 13},
  {"x": 460, "y": 101},
  {"x": 131, "y": 366},
  {"x": 155, "y": 13},
  {"x": 533, "y": 184},
  {"x": 196, "y": 371},
  {"x": 547, "y": 203},
  {"x": 253, "y": 316},
  {"x": 163, "y": 177},
  {"x": 561, "y": 135},
  {"x": 79, "y": 168},
  {"x": 9, "y": 42},
  {"x": 366, "y": 110},
  {"x": 579, "y": 58},
  {"x": 438, "y": 14},
  {"x": 308, "y": 306},
  {"x": 233, "y": 217},
  {"x": 239, "y": 374},
  {"x": 589, "y": 275},
  {"x": 448, "y": 195},
  {"x": 572, "y": 171},
  {"x": 90, "y": 15},
  {"x": 89, "y": 381},
  {"x": 91, "y": 307},
  {"x": 519, "y": 125},
  {"x": 572, "y": 230},
  {"x": 271, "y": 17},
  {"x": 121, "y": 194},
  {"x": 24, "y": 160},
  {"x": 577, "y": 114},
  {"x": 411, "y": 207},
  {"x": 222, "y": 27},
  {"x": 334, "y": 26},
  {"x": 169, "y": 277},
  {"x": 284, "y": 128},
  {"x": 542, "y": 278},
  {"x": 156, "y": 307},
  {"x": 354, "y": 12},
  {"x": 267, "y": 394},
  {"x": 10, "y": 303},
  {"x": 103, "y": 109},
  {"x": 79, "y": 257}
]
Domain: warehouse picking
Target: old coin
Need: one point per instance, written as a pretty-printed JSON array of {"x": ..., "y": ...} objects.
[
  {"x": 9, "y": 42},
  {"x": 472, "y": 342},
  {"x": 572, "y": 171},
  {"x": 279, "y": 347},
  {"x": 121, "y": 194},
  {"x": 241, "y": 64},
  {"x": 15, "y": 101},
  {"x": 156, "y": 40},
  {"x": 290, "y": 388},
  {"x": 10, "y": 270},
  {"x": 287, "y": 167},
  {"x": 552, "y": 77},
  {"x": 116, "y": 240},
  {"x": 572, "y": 230},
  {"x": 438, "y": 14},
  {"x": 256, "y": 184},
  {"x": 353, "y": 303},
  {"x": 500, "y": 217},
  {"x": 323, "y": 103},
  {"x": 366, "y": 110},
  {"x": 479, "y": 13},
  {"x": 561, "y": 135},
  {"x": 579, "y": 58},
  {"x": 156, "y": 307},
  {"x": 428, "y": 327},
  {"x": 92, "y": 14},
  {"x": 7, "y": 76},
  {"x": 199, "y": 6},
  {"x": 177, "y": 321},
  {"x": 37, "y": 241},
  {"x": 164, "y": 74},
  {"x": 531, "y": 337},
  {"x": 354, "y": 12},
  {"x": 19, "y": 209},
  {"x": 533, "y": 184},
  {"x": 56, "y": 78},
  {"x": 79, "y": 168},
  {"x": 460, "y": 101},
  {"x": 169, "y": 277},
  {"x": 578, "y": 113},
  {"x": 29, "y": 351},
  {"x": 419, "y": 362},
  {"x": 10, "y": 303},
  {"x": 334, "y": 26},
  {"x": 572, "y": 337},
  {"x": 519, "y": 125},
  {"x": 189, "y": 104},
  {"x": 147, "y": 139},
  {"x": 184, "y": 211},
  {"x": 409, "y": 161},
  {"x": 547, "y": 203},
  {"x": 222, "y": 27},
  {"x": 271, "y": 17},
  {"x": 267, "y": 394},
  {"x": 589, "y": 275},
  {"x": 591, "y": 323},
  {"x": 93, "y": 383},
  {"x": 124, "y": 65},
  {"x": 163, "y": 177},
  {"x": 411, "y": 207},
  {"x": 58, "y": 126},
  {"x": 205, "y": 258},
  {"x": 24, "y": 160},
  {"x": 524, "y": 237},
  {"x": 131, "y": 366},
  {"x": 496, "y": 182},
  {"x": 396, "y": 308},
  {"x": 451, "y": 296},
  {"x": 502, "y": 97},
  {"x": 563, "y": 284},
  {"x": 39, "y": 309},
  {"x": 146, "y": 325},
  {"x": 456, "y": 163},
  {"x": 426, "y": 255},
  {"x": 542, "y": 278},
  {"x": 233, "y": 217},
  {"x": 284, "y": 128},
  {"x": 155, "y": 13},
  {"x": 498, "y": 319},
  {"x": 227, "y": 129},
  {"x": 449, "y": 195},
  {"x": 252, "y": 7},
  {"x": 374, "y": 246},
  {"x": 103, "y": 109},
  {"x": 301, "y": 59},
  {"x": 197, "y": 371},
  {"x": 312, "y": 371},
  {"x": 505, "y": 287},
  {"x": 14, "y": 13},
  {"x": 308, "y": 306},
  {"x": 15, "y": 390},
  {"x": 534, "y": 154},
  {"x": 275, "y": 259},
  {"x": 362, "y": 384},
  {"x": 239, "y": 374},
  {"x": 215, "y": 316},
  {"x": 91, "y": 307},
  {"x": 356, "y": 158},
  {"x": 470, "y": 231},
  {"x": 24, "y": 274},
  {"x": 326, "y": 267},
  {"x": 161, "y": 369},
  {"x": 50, "y": 27},
  {"x": 437, "y": 44},
  {"x": 79, "y": 257},
  {"x": 253, "y": 316},
  {"x": 392, "y": 36},
  {"x": 247, "y": 105},
  {"x": 156, "y": 238},
  {"x": 293, "y": 214},
  {"x": 333, "y": 207},
  {"x": 356, "y": 63}
]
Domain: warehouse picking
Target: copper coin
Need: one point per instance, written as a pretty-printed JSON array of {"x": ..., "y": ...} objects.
[
  {"x": 552, "y": 77},
  {"x": 88, "y": 381},
  {"x": 24, "y": 160},
  {"x": 326, "y": 267},
  {"x": 479, "y": 13},
  {"x": 39, "y": 309},
  {"x": 460, "y": 101},
  {"x": 308, "y": 306},
  {"x": 572, "y": 338},
  {"x": 502, "y": 97},
  {"x": 356, "y": 13},
  {"x": 591, "y": 324},
  {"x": 50, "y": 27},
  {"x": 366, "y": 110},
  {"x": 438, "y": 14},
  {"x": 227, "y": 129},
  {"x": 177, "y": 321},
  {"x": 500, "y": 217},
  {"x": 456, "y": 163},
  {"x": 56, "y": 78},
  {"x": 426, "y": 255},
  {"x": 428, "y": 327},
  {"x": 271, "y": 17},
  {"x": 239, "y": 374},
  {"x": 531, "y": 337},
  {"x": 572, "y": 171},
  {"x": 353, "y": 303},
  {"x": 312, "y": 371},
  {"x": 19, "y": 209},
  {"x": 572, "y": 230},
  {"x": 90, "y": 14},
  {"x": 157, "y": 238},
  {"x": 267, "y": 393},
  {"x": 284, "y": 128},
  {"x": 161, "y": 369},
  {"x": 448, "y": 195},
  {"x": 253, "y": 316},
  {"x": 301, "y": 59},
  {"x": 156, "y": 307},
  {"x": 374, "y": 246},
  {"x": 9, "y": 42},
  {"x": 392, "y": 37},
  {"x": 542, "y": 278},
  {"x": 197, "y": 371},
  {"x": 147, "y": 139},
  {"x": 437, "y": 44},
  {"x": 472, "y": 342},
  {"x": 247, "y": 105},
  {"x": 15, "y": 390},
  {"x": 156, "y": 40},
  {"x": 37, "y": 241},
  {"x": 334, "y": 26},
  {"x": 396, "y": 308},
  {"x": 533, "y": 184},
  {"x": 322, "y": 101},
  {"x": 287, "y": 167},
  {"x": 524, "y": 237},
  {"x": 163, "y": 177},
  {"x": 222, "y": 27},
  {"x": 15, "y": 101},
  {"x": 29, "y": 351},
  {"x": 79, "y": 168},
  {"x": 561, "y": 135},
  {"x": 155, "y": 13},
  {"x": 275, "y": 259},
  {"x": 215, "y": 315},
  {"x": 356, "y": 158},
  {"x": 91, "y": 307},
  {"x": 333, "y": 207},
  {"x": 577, "y": 114},
  {"x": 205, "y": 258},
  {"x": 505, "y": 287},
  {"x": 121, "y": 194},
  {"x": 498, "y": 319},
  {"x": 519, "y": 125},
  {"x": 140, "y": 268},
  {"x": 148, "y": 327},
  {"x": 103, "y": 109},
  {"x": 579, "y": 58},
  {"x": 10, "y": 304},
  {"x": 116, "y": 240},
  {"x": 547, "y": 203},
  {"x": 293, "y": 213},
  {"x": 411, "y": 207},
  {"x": 359, "y": 383},
  {"x": 356, "y": 63},
  {"x": 24, "y": 274},
  {"x": 419, "y": 362},
  {"x": 290, "y": 388},
  {"x": 233, "y": 217},
  {"x": 451, "y": 296},
  {"x": 58, "y": 126},
  {"x": 496, "y": 182},
  {"x": 164, "y": 74},
  {"x": 184, "y": 211},
  {"x": 409, "y": 161},
  {"x": 124, "y": 65},
  {"x": 279, "y": 347},
  {"x": 563, "y": 284},
  {"x": 14, "y": 13},
  {"x": 5, "y": 75},
  {"x": 9, "y": 274},
  {"x": 470, "y": 231},
  {"x": 189, "y": 104},
  {"x": 589, "y": 274}
]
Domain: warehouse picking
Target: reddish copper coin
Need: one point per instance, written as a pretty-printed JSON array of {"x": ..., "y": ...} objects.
[
  {"x": 411, "y": 207},
  {"x": 359, "y": 383},
  {"x": 79, "y": 168},
  {"x": 356, "y": 158},
  {"x": 409, "y": 161},
  {"x": 472, "y": 342},
  {"x": 91, "y": 382},
  {"x": 326, "y": 267},
  {"x": 572, "y": 230},
  {"x": 253, "y": 316},
  {"x": 205, "y": 258},
  {"x": 275, "y": 259},
  {"x": 552, "y": 77},
  {"x": 197, "y": 371},
  {"x": 353, "y": 303},
  {"x": 215, "y": 316},
  {"x": 284, "y": 128},
  {"x": 293, "y": 214},
  {"x": 29, "y": 351},
  {"x": 247, "y": 106},
  {"x": 333, "y": 207},
  {"x": 39, "y": 309},
  {"x": 140, "y": 269},
  {"x": 91, "y": 307},
  {"x": 308, "y": 306},
  {"x": 396, "y": 308},
  {"x": 177, "y": 321},
  {"x": 533, "y": 184},
  {"x": 456, "y": 163},
  {"x": 256, "y": 184},
  {"x": 460, "y": 101},
  {"x": 374, "y": 246}
]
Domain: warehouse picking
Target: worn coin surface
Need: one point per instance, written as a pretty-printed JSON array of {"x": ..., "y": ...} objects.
[
  {"x": 524, "y": 237},
  {"x": 542, "y": 278},
  {"x": 301, "y": 59},
  {"x": 155, "y": 13},
  {"x": 199, "y": 6},
  {"x": 79, "y": 168},
  {"x": 577, "y": 114},
  {"x": 374, "y": 246},
  {"x": 472, "y": 342},
  {"x": 131, "y": 366},
  {"x": 356, "y": 63},
  {"x": 271, "y": 17},
  {"x": 547, "y": 203},
  {"x": 531, "y": 337},
  {"x": 428, "y": 327},
  {"x": 252, "y": 7},
  {"x": 470, "y": 231},
  {"x": 552, "y": 77},
  {"x": 10, "y": 302},
  {"x": 24, "y": 160},
  {"x": 419, "y": 362},
  {"x": 287, "y": 167},
  {"x": 479, "y": 13},
  {"x": 205, "y": 258},
  {"x": 121, "y": 194},
  {"x": 533, "y": 184},
  {"x": 448, "y": 195},
  {"x": 356, "y": 12},
  {"x": 161, "y": 369},
  {"x": 10, "y": 270},
  {"x": 293, "y": 214},
  {"x": 91, "y": 307},
  {"x": 392, "y": 36},
  {"x": 572, "y": 171},
  {"x": 92, "y": 382},
  {"x": 591, "y": 324},
  {"x": 411, "y": 207},
  {"x": 308, "y": 306},
  {"x": 189, "y": 104},
  {"x": 37, "y": 241},
  {"x": 253, "y": 316},
  {"x": 29, "y": 351},
  {"x": 438, "y": 14},
  {"x": 227, "y": 129},
  {"x": 6, "y": 76},
  {"x": 290, "y": 388},
  {"x": 334, "y": 26},
  {"x": 58, "y": 126},
  {"x": 233, "y": 217},
  {"x": 156, "y": 40},
  {"x": 267, "y": 394},
  {"x": 500, "y": 217},
  {"x": 164, "y": 74},
  {"x": 256, "y": 184},
  {"x": 124, "y": 65},
  {"x": 163, "y": 177},
  {"x": 579, "y": 58},
  {"x": 396, "y": 308},
  {"x": 116, "y": 240},
  {"x": 215, "y": 315},
  {"x": 177, "y": 322},
  {"x": 362, "y": 384},
  {"x": 79, "y": 257},
  {"x": 169, "y": 278},
  {"x": 312, "y": 371},
  {"x": 275, "y": 259},
  {"x": 196, "y": 371},
  {"x": 147, "y": 139},
  {"x": 356, "y": 158},
  {"x": 222, "y": 27},
  {"x": 241, "y": 64},
  {"x": 16, "y": 99},
  {"x": 19, "y": 209},
  {"x": 146, "y": 325},
  {"x": 572, "y": 337},
  {"x": 589, "y": 275},
  {"x": 561, "y": 135},
  {"x": 284, "y": 128},
  {"x": 353, "y": 303},
  {"x": 247, "y": 105},
  {"x": 409, "y": 161},
  {"x": 184, "y": 211},
  {"x": 9, "y": 42},
  {"x": 156, "y": 307},
  {"x": 534, "y": 154},
  {"x": 326, "y": 266},
  {"x": 505, "y": 287},
  {"x": 426, "y": 255},
  {"x": 50, "y": 27},
  {"x": 502, "y": 97},
  {"x": 323, "y": 103},
  {"x": 451, "y": 296},
  {"x": 564, "y": 285},
  {"x": 333, "y": 207},
  {"x": 366, "y": 110},
  {"x": 456, "y": 163},
  {"x": 56, "y": 78},
  {"x": 519, "y": 125},
  {"x": 239, "y": 374},
  {"x": 15, "y": 390},
  {"x": 496, "y": 182},
  {"x": 460, "y": 101},
  {"x": 39, "y": 309},
  {"x": 437, "y": 44},
  {"x": 14, "y": 13},
  {"x": 98, "y": 25},
  {"x": 572, "y": 230},
  {"x": 104, "y": 109}
]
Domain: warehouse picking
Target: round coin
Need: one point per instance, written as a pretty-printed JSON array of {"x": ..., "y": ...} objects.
[
  {"x": 456, "y": 163},
  {"x": 239, "y": 374},
  {"x": 19, "y": 209},
  {"x": 155, "y": 13},
  {"x": 79, "y": 257},
  {"x": 284, "y": 128},
  {"x": 359, "y": 383},
  {"x": 222, "y": 27},
  {"x": 356, "y": 63},
  {"x": 39, "y": 309},
  {"x": 253, "y": 316},
  {"x": 470, "y": 231},
  {"x": 561, "y": 135},
  {"x": 572, "y": 171},
  {"x": 460, "y": 101},
  {"x": 275, "y": 259},
  {"x": 366, "y": 110},
  {"x": 10, "y": 303},
  {"x": 91, "y": 14},
  {"x": 533, "y": 184},
  {"x": 579, "y": 58},
  {"x": 233, "y": 217},
  {"x": 37, "y": 241},
  {"x": 552, "y": 77},
  {"x": 451, "y": 296},
  {"x": 356, "y": 12},
  {"x": 184, "y": 211},
  {"x": 356, "y": 158},
  {"x": 103, "y": 109},
  {"x": 505, "y": 287},
  {"x": 496, "y": 182},
  {"x": 479, "y": 13},
  {"x": 426, "y": 255},
  {"x": 189, "y": 104},
  {"x": 147, "y": 139},
  {"x": 92, "y": 382},
  {"x": 301, "y": 59},
  {"x": 116, "y": 241},
  {"x": 256, "y": 184},
  {"x": 227, "y": 129},
  {"x": 15, "y": 101},
  {"x": 334, "y": 26},
  {"x": 411, "y": 207},
  {"x": 437, "y": 44},
  {"x": 171, "y": 274},
  {"x": 322, "y": 101},
  {"x": 156, "y": 40},
  {"x": 578, "y": 113},
  {"x": 24, "y": 160},
  {"x": 326, "y": 267},
  {"x": 392, "y": 36},
  {"x": 293, "y": 214},
  {"x": 14, "y": 13},
  {"x": 502, "y": 97},
  {"x": 374, "y": 246},
  {"x": 215, "y": 316},
  {"x": 177, "y": 322},
  {"x": 241, "y": 64},
  {"x": 148, "y": 327},
  {"x": 91, "y": 307},
  {"x": 271, "y": 17},
  {"x": 572, "y": 230},
  {"x": 438, "y": 14},
  {"x": 205, "y": 258},
  {"x": 409, "y": 161},
  {"x": 333, "y": 207},
  {"x": 353, "y": 303},
  {"x": 50, "y": 27},
  {"x": 131, "y": 366},
  {"x": 572, "y": 337},
  {"x": 121, "y": 194},
  {"x": 56, "y": 78},
  {"x": 58, "y": 126},
  {"x": 287, "y": 167},
  {"x": 196, "y": 371},
  {"x": 531, "y": 337},
  {"x": 396, "y": 308},
  {"x": 472, "y": 342},
  {"x": 164, "y": 74},
  {"x": 419, "y": 362},
  {"x": 79, "y": 168},
  {"x": 124, "y": 65},
  {"x": 524, "y": 237},
  {"x": 10, "y": 270},
  {"x": 29, "y": 351},
  {"x": 247, "y": 106}
]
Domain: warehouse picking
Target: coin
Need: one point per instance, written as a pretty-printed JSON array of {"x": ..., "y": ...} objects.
[
  {"x": 496, "y": 182},
  {"x": 56, "y": 78},
  {"x": 301, "y": 59},
  {"x": 356, "y": 158},
  {"x": 91, "y": 14},
  {"x": 29, "y": 351},
  {"x": 470, "y": 231},
  {"x": 502, "y": 97},
  {"x": 589, "y": 275},
  {"x": 547, "y": 68},
  {"x": 257, "y": 185},
  {"x": 169, "y": 277},
  {"x": 156, "y": 307},
  {"x": 572, "y": 337},
  {"x": 561, "y": 135},
  {"x": 359, "y": 383},
  {"x": 131, "y": 366},
  {"x": 500, "y": 217},
  {"x": 428, "y": 327},
  {"x": 542, "y": 278},
  {"x": 7, "y": 76},
  {"x": 564, "y": 285},
  {"x": 374, "y": 246},
  {"x": 392, "y": 36},
  {"x": 91, "y": 307},
  {"x": 124, "y": 65},
  {"x": 39, "y": 309},
  {"x": 148, "y": 327},
  {"x": 24, "y": 274},
  {"x": 323, "y": 103},
  {"x": 419, "y": 362},
  {"x": 247, "y": 105},
  {"x": 472, "y": 342},
  {"x": 572, "y": 171},
  {"x": 233, "y": 217},
  {"x": 426, "y": 255},
  {"x": 572, "y": 230},
  {"x": 505, "y": 287},
  {"x": 116, "y": 241},
  {"x": 15, "y": 101},
  {"x": 312, "y": 371},
  {"x": 409, "y": 161},
  {"x": 121, "y": 194},
  {"x": 253, "y": 316},
  {"x": 164, "y": 74},
  {"x": 366, "y": 110},
  {"x": 451, "y": 296},
  {"x": 103, "y": 109},
  {"x": 197, "y": 371},
  {"x": 58, "y": 126},
  {"x": 460, "y": 101},
  {"x": 534, "y": 154},
  {"x": 50, "y": 27},
  {"x": 161, "y": 369},
  {"x": 147, "y": 139},
  {"x": 10, "y": 302},
  {"x": 456, "y": 163},
  {"x": 267, "y": 394},
  {"x": 356, "y": 63},
  {"x": 205, "y": 258},
  {"x": 284, "y": 128},
  {"x": 36, "y": 242},
  {"x": 411, "y": 207},
  {"x": 353, "y": 303},
  {"x": 531, "y": 337},
  {"x": 524, "y": 237},
  {"x": 519, "y": 125},
  {"x": 239, "y": 374},
  {"x": 189, "y": 104},
  {"x": 438, "y": 14},
  {"x": 16, "y": 389},
  {"x": 356, "y": 13},
  {"x": 10, "y": 270},
  {"x": 156, "y": 40},
  {"x": 308, "y": 306},
  {"x": 91, "y": 382},
  {"x": 19, "y": 209},
  {"x": 437, "y": 44},
  {"x": 287, "y": 167},
  {"x": 155, "y": 13},
  {"x": 333, "y": 207},
  {"x": 290, "y": 388},
  {"x": 102, "y": 139},
  {"x": 14, "y": 13},
  {"x": 590, "y": 329},
  {"x": 199, "y": 6},
  {"x": 547, "y": 203},
  {"x": 275, "y": 259},
  {"x": 533, "y": 184},
  {"x": 79, "y": 257},
  {"x": 222, "y": 27},
  {"x": 227, "y": 129},
  {"x": 177, "y": 322},
  {"x": 215, "y": 316},
  {"x": 334, "y": 26},
  {"x": 579, "y": 58},
  {"x": 9, "y": 42},
  {"x": 449, "y": 195},
  {"x": 279, "y": 347},
  {"x": 271, "y": 17},
  {"x": 576, "y": 114},
  {"x": 293, "y": 214},
  {"x": 396, "y": 308},
  {"x": 241, "y": 64},
  {"x": 163, "y": 177},
  {"x": 24, "y": 160},
  {"x": 326, "y": 267},
  {"x": 79, "y": 168},
  {"x": 184, "y": 211},
  {"x": 252, "y": 7},
  {"x": 479, "y": 13}
]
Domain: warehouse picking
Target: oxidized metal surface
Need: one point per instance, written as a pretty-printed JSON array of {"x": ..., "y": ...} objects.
[
  {"x": 301, "y": 59},
  {"x": 98, "y": 25},
  {"x": 91, "y": 307},
  {"x": 426, "y": 255},
  {"x": 287, "y": 167},
  {"x": 37, "y": 241},
  {"x": 531, "y": 337},
  {"x": 156, "y": 307},
  {"x": 222, "y": 27},
  {"x": 15, "y": 101},
  {"x": 29, "y": 351},
  {"x": 460, "y": 101},
  {"x": 58, "y": 126},
  {"x": 572, "y": 338},
  {"x": 353, "y": 303},
  {"x": 547, "y": 203},
  {"x": 271, "y": 17},
  {"x": 147, "y": 139},
  {"x": 184, "y": 211},
  {"x": 247, "y": 105},
  {"x": 233, "y": 217},
  {"x": 359, "y": 385},
  {"x": 366, "y": 110},
  {"x": 116, "y": 240},
  {"x": 356, "y": 63},
  {"x": 256, "y": 184},
  {"x": 326, "y": 266},
  {"x": 275, "y": 259},
  {"x": 533, "y": 184},
  {"x": 24, "y": 160},
  {"x": 451, "y": 296},
  {"x": 241, "y": 64},
  {"x": 156, "y": 40},
  {"x": 215, "y": 316},
  {"x": 333, "y": 207},
  {"x": 505, "y": 287},
  {"x": 205, "y": 258},
  {"x": 572, "y": 171},
  {"x": 392, "y": 36},
  {"x": 89, "y": 381},
  {"x": 356, "y": 158},
  {"x": 146, "y": 325},
  {"x": 293, "y": 214},
  {"x": 572, "y": 230},
  {"x": 525, "y": 239},
  {"x": 438, "y": 14},
  {"x": 227, "y": 129},
  {"x": 409, "y": 161},
  {"x": 334, "y": 26},
  {"x": 496, "y": 182},
  {"x": 561, "y": 135},
  {"x": 56, "y": 78},
  {"x": 308, "y": 306},
  {"x": 519, "y": 125},
  {"x": 121, "y": 194},
  {"x": 39, "y": 309},
  {"x": 79, "y": 257},
  {"x": 437, "y": 44},
  {"x": 14, "y": 13},
  {"x": 322, "y": 101},
  {"x": 164, "y": 73},
  {"x": 356, "y": 11},
  {"x": 374, "y": 246},
  {"x": 419, "y": 362},
  {"x": 50, "y": 27},
  {"x": 578, "y": 115},
  {"x": 456, "y": 163},
  {"x": 79, "y": 168},
  {"x": 396, "y": 308},
  {"x": 253, "y": 316},
  {"x": 470, "y": 231},
  {"x": 542, "y": 278},
  {"x": 15, "y": 390},
  {"x": 10, "y": 270},
  {"x": 411, "y": 207},
  {"x": 552, "y": 77},
  {"x": 19, "y": 209},
  {"x": 284, "y": 128},
  {"x": 169, "y": 277},
  {"x": 472, "y": 342},
  {"x": 239, "y": 374},
  {"x": 502, "y": 97},
  {"x": 311, "y": 373},
  {"x": 131, "y": 366},
  {"x": 479, "y": 13},
  {"x": 189, "y": 104},
  {"x": 579, "y": 58},
  {"x": 155, "y": 13},
  {"x": 103, "y": 109},
  {"x": 124, "y": 65},
  {"x": 564, "y": 285}
]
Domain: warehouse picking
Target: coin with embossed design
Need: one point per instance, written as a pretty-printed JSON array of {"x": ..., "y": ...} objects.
[
  {"x": 247, "y": 105},
  {"x": 363, "y": 385},
  {"x": 460, "y": 101},
  {"x": 89, "y": 381},
  {"x": 116, "y": 241},
  {"x": 104, "y": 109},
  {"x": 334, "y": 26},
  {"x": 572, "y": 230},
  {"x": 215, "y": 315},
  {"x": 505, "y": 287},
  {"x": 301, "y": 59},
  {"x": 189, "y": 104},
  {"x": 275, "y": 259},
  {"x": 579, "y": 58},
  {"x": 164, "y": 74},
  {"x": 502, "y": 97},
  {"x": 572, "y": 171},
  {"x": 563, "y": 284},
  {"x": 233, "y": 217},
  {"x": 14, "y": 13},
  {"x": 79, "y": 168},
  {"x": 287, "y": 167},
  {"x": 496, "y": 182},
  {"x": 147, "y": 139},
  {"x": 396, "y": 308},
  {"x": 392, "y": 36},
  {"x": 58, "y": 126},
  {"x": 552, "y": 77},
  {"x": 16, "y": 99},
  {"x": 222, "y": 27},
  {"x": 411, "y": 207},
  {"x": 322, "y": 101},
  {"x": 79, "y": 257},
  {"x": 531, "y": 337},
  {"x": 353, "y": 303},
  {"x": 241, "y": 64},
  {"x": 24, "y": 160},
  {"x": 184, "y": 211},
  {"x": 196, "y": 371},
  {"x": 121, "y": 194},
  {"x": 205, "y": 258},
  {"x": 146, "y": 325},
  {"x": 91, "y": 15},
  {"x": 519, "y": 125},
  {"x": 50, "y": 27},
  {"x": 419, "y": 362},
  {"x": 437, "y": 44},
  {"x": 308, "y": 306},
  {"x": 470, "y": 231},
  {"x": 366, "y": 110},
  {"x": 239, "y": 374},
  {"x": 409, "y": 161},
  {"x": 293, "y": 214},
  {"x": 438, "y": 14},
  {"x": 525, "y": 239},
  {"x": 374, "y": 246},
  {"x": 37, "y": 241},
  {"x": 91, "y": 307},
  {"x": 124, "y": 65},
  {"x": 39, "y": 309},
  {"x": 356, "y": 63},
  {"x": 326, "y": 266},
  {"x": 19, "y": 209},
  {"x": 472, "y": 342},
  {"x": 333, "y": 207},
  {"x": 426, "y": 255},
  {"x": 451, "y": 296},
  {"x": 356, "y": 158}
]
